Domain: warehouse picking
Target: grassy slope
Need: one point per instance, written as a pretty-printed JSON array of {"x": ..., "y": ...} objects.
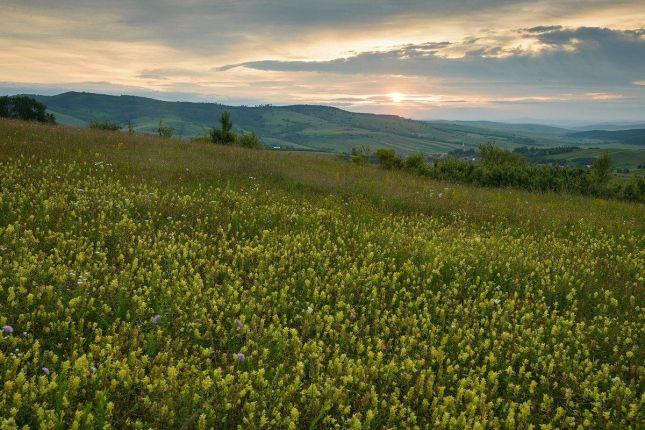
[
  {"x": 367, "y": 297},
  {"x": 313, "y": 127},
  {"x": 322, "y": 173}
]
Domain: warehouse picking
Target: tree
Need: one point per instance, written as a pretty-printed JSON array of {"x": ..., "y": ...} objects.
[
  {"x": 601, "y": 168},
  {"x": 414, "y": 163},
  {"x": 25, "y": 108},
  {"x": 224, "y": 135},
  {"x": 491, "y": 154}
]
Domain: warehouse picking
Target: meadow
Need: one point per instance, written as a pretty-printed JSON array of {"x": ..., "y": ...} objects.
[{"x": 155, "y": 283}]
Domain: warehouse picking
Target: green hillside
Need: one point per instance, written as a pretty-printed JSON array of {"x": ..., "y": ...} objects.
[
  {"x": 628, "y": 137},
  {"x": 320, "y": 128}
]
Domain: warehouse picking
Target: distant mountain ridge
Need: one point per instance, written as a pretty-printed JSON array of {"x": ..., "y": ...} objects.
[{"x": 310, "y": 127}]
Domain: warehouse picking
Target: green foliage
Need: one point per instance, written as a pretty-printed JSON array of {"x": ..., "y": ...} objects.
[
  {"x": 491, "y": 154},
  {"x": 187, "y": 285},
  {"x": 250, "y": 140},
  {"x": 164, "y": 131},
  {"x": 501, "y": 168},
  {"x": 388, "y": 159},
  {"x": 105, "y": 125},
  {"x": 361, "y": 155},
  {"x": 531, "y": 151},
  {"x": 24, "y": 108},
  {"x": 224, "y": 135},
  {"x": 601, "y": 169},
  {"x": 414, "y": 163}
]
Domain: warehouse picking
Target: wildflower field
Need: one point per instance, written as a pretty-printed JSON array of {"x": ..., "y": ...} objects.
[{"x": 150, "y": 283}]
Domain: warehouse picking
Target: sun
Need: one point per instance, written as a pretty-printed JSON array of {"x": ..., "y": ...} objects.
[{"x": 396, "y": 97}]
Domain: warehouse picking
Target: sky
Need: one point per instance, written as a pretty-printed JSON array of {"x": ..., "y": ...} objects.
[{"x": 543, "y": 60}]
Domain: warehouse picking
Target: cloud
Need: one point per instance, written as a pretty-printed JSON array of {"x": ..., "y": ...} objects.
[
  {"x": 543, "y": 28},
  {"x": 552, "y": 54},
  {"x": 169, "y": 72}
]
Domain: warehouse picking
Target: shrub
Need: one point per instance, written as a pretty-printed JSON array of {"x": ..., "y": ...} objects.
[
  {"x": 361, "y": 155},
  {"x": 388, "y": 159},
  {"x": 250, "y": 140},
  {"x": 164, "y": 131},
  {"x": 414, "y": 163},
  {"x": 501, "y": 168}
]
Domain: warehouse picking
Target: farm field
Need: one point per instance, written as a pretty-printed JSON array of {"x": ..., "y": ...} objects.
[{"x": 151, "y": 283}]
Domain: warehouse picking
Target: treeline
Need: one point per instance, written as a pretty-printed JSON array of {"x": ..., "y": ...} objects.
[
  {"x": 532, "y": 151},
  {"x": 500, "y": 168},
  {"x": 24, "y": 108}
]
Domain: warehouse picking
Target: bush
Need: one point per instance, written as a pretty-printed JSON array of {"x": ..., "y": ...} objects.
[
  {"x": 105, "y": 125},
  {"x": 361, "y": 155},
  {"x": 164, "y": 131},
  {"x": 414, "y": 163},
  {"x": 501, "y": 168},
  {"x": 25, "y": 108},
  {"x": 388, "y": 159},
  {"x": 250, "y": 140}
]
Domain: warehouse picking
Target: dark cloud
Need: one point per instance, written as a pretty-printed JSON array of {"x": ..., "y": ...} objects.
[
  {"x": 543, "y": 28},
  {"x": 582, "y": 55},
  {"x": 202, "y": 26}
]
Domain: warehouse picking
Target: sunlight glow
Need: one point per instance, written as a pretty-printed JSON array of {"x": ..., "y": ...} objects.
[{"x": 396, "y": 97}]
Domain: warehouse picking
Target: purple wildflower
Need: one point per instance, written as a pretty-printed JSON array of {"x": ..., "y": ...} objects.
[
  {"x": 7, "y": 329},
  {"x": 352, "y": 315},
  {"x": 240, "y": 356},
  {"x": 45, "y": 371},
  {"x": 156, "y": 319},
  {"x": 239, "y": 323}
]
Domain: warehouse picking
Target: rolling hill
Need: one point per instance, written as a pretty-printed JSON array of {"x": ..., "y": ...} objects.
[
  {"x": 308, "y": 127},
  {"x": 628, "y": 137}
]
